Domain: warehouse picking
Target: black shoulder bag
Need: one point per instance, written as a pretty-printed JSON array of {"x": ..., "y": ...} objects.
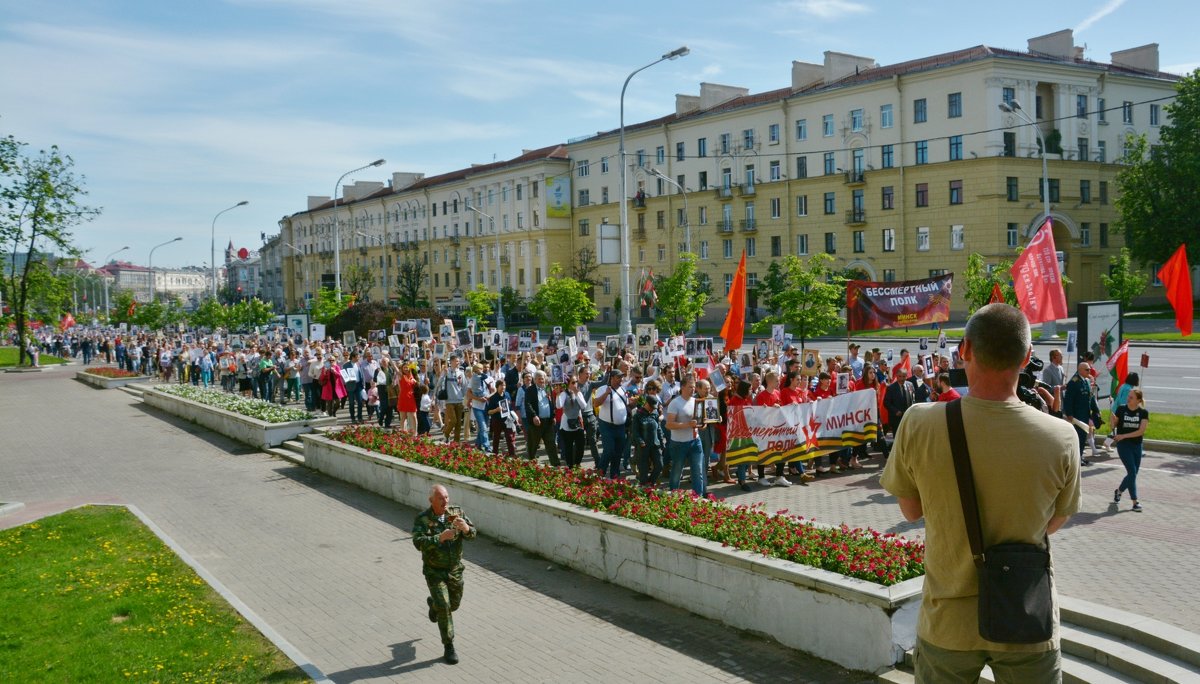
[{"x": 1015, "y": 602}]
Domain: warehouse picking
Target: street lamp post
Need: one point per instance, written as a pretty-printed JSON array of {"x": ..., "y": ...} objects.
[
  {"x": 499, "y": 271},
  {"x": 687, "y": 226},
  {"x": 150, "y": 265},
  {"x": 107, "y": 259},
  {"x": 337, "y": 234},
  {"x": 383, "y": 245},
  {"x": 1049, "y": 328},
  {"x": 626, "y": 306},
  {"x": 214, "y": 243}
]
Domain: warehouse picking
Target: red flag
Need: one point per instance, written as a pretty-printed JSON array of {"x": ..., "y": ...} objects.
[
  {"x": 132, "y": 308},
  {"x": 997, "y": 295},
  {"x": 1118, "y": 366},
  {"x": 67, "y": 321},
  {"x": 649, "y": 294},
  {"x": 1176, "y": 278},
  {"x": 1037, "y": 280},
  {"x": 735, "y": 320}
]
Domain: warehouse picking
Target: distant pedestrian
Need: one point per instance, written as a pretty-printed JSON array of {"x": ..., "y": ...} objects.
[
  {"x": 438, "y": 534},
  {"x": 1129, "y": 425}
]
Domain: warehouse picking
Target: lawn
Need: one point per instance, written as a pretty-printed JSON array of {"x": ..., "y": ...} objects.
[
  {"x": 8, "y": 358},
  {"x": 1168, "y": 427},
  {"x": 91, "y": 595}
]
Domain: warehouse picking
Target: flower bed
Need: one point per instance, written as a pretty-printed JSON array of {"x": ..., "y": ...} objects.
[
  {"x": 246, "y": 406},
  {"x": 110, "y": 372},
  {"x": 107, "y": 377},
  {"x": 864, "y": 554}
]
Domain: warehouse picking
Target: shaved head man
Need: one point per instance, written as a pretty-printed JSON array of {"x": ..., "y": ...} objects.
[{"x": 438, "y": 534}]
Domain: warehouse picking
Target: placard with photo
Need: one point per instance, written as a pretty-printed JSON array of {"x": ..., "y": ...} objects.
[
  {"x": 446, "y": 332},
  {"x": 376, "y": 335},
  {"x": 762, "y": 350},
  {"x": 698, "y": 411},
  {"x": 471, "y": 325},
  {"x": 712, "y": 410},
  {"x": 777, "y": 334},
  {"x": 495, "y": 339},
  {"x": 424, "y": 330},
  {"x": 349, "y": 339},
  {"x": 942, "y": 340},
  {"x": 689, "y": 347},
  {"x": 464, "y": 338},
  {"x": 525, "y": 343},
  {"x": 810, "y": 363},
  {"x": 439, "y": 350},
  {"x": 923, "y": 344},
  {"x": 645, "y": 339},
  {"x": 612, "y": 346},
  {"x": 582, "y": 337},
  {"x": 1072, "y": 340},
  {"x": 535, "y": 338},
  {"x": 930, "y": 369},
  {"x": 572, "y": 346},
  {"x": 717, "y": 380},
  {"x": 393, "y": 340},
  {"x": 477, "y": 341},
  {"x": 556, "y": 374},
  {"x": 512, "y": 343},
  {"x": 843, "y": 383},
  {"x": 890, "y": 354}
]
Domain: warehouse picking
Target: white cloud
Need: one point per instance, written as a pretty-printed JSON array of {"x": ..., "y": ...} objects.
[
  {"x": 1105, "y": 10},
  {"x": 827, "y": 9}
]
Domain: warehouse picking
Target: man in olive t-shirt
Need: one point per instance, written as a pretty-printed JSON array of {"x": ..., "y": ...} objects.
[{"x": 1026, "y": 472}]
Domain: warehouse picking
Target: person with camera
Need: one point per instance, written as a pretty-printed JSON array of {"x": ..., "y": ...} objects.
[
  {"x": 438, "y": 533},
  {"x": 1027, "y": 487},
  {"x": 611, "y": 406}
]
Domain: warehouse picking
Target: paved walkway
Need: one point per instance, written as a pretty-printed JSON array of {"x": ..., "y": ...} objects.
[{"x": 331, "y": 567}]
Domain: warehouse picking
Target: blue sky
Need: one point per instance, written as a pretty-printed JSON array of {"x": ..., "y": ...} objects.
[{"x": 174, "y": 111}]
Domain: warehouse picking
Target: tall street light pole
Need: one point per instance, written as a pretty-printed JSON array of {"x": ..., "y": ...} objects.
[
  {"x": 1049, "y": 328},
  {"x": 107, "y": 260},
  {"x": 499, "y": 271},
  {"x": 337, "y": 234},
  {"x": 150, "y": 265},
  {"x": 687, "y": 226},
  {"x": 626, "y": 304},
  {"x": 214, "y": 243}
]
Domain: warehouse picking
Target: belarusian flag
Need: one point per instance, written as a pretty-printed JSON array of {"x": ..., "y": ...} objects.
[{"x": 1118, "y": 366}]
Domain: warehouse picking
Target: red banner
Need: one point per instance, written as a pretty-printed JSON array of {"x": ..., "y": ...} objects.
[
  {"x": 1037, "y": 280},
  {"x": 875, "y": 306}
]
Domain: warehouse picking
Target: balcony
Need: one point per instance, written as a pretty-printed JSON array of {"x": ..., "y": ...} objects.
[
  {"x": 725, "y": 226},
  {"x": 455, "y": 264},
  {"x": 856, "y": 216},
  {"x": 362, "y": 250},
  {"x": 639, "y": 202},
  {"x": 504, "y": 259},
  {"x": 747, "y": 190},
  {"x": 454, "y": 239},
  {"x": 397, "y": 245},
  {"x": 855, "y": 177},
  {"x": 725, "y": 192},
  {"x": 749, "y": 225},
  {"x": 639, "y": 233}
]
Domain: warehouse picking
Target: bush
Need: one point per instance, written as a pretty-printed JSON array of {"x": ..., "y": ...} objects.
[{"x": 375, "y": 316}]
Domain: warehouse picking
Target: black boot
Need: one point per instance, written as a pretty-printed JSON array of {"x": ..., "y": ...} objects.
[{"x": 450, "y": 656}]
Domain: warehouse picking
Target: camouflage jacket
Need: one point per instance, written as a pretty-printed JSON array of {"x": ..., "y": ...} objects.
[{"x": 435, "y": 554}]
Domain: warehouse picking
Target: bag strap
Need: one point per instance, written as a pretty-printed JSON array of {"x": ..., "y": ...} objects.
[{"x": 966, "y": 479}]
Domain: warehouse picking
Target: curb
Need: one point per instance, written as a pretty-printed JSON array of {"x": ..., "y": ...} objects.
[
  {"x": 1185, "y": 448},
  {"x": 13, "y": 507}
]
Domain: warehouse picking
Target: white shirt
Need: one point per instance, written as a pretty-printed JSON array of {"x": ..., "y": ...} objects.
[
  {"x": 615, "y": 406},
  {"x": 682, "y": 411}
]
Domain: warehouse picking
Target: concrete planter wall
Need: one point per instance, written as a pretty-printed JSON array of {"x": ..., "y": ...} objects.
[
  {"x": 233, "y": 425},
  {"x": 857, "y": 624},
  {"x": 108, "y": 383}
]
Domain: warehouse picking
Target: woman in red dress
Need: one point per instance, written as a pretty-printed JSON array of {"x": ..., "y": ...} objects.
[
  {"x": 406, "y": 399},
  {"x": 333, "y": 388}
]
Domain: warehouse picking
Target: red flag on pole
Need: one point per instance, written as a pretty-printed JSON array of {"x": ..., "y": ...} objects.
[
  {"x": 735, "y": 320},
  {"x": 1176, "y": 278},
  {"x": 67, "y": 321},
  {"x": 1118, "y": 366},
  {"x": 132, "y": 308},
  {"x": 997, "y": 296},
  {"x": 1037, "y": 280}
]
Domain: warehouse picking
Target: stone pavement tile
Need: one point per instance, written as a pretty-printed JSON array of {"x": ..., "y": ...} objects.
[{"x": 332, "y": 567}]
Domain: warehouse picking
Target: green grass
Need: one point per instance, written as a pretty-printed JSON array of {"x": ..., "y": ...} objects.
[
  {"x": 1168, "y": 427},
  {"x": 91, "y": 595},
  {"x": 8, "y": 358},
  {"x": 1162, "y": 337}
]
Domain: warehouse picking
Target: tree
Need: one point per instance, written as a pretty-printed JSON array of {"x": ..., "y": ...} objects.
[
  {"x": 771, "y": 286},
  {"x": 357, "y": 281},
  {"x": 1123, "y": 282},
  {"x": 1157, "y": 202},
  {"x": 562, "y": 300},
  {"x": 149, "y": 315},
  {"x": 681, "y": 296},
  {"x": 584, "y": 268},
  {"x": 813, "y": 299},
  {"x": 409, "y": 280},
  {"x": 326, "y": 306},
  {"x": 39, "y": 204},
  {"x": 480, "y": 303},
  {"x": 512, "y": 300},
  {"x": 210, "y": 314},
  {"x": 979, "y": 282},
  {"x": 249, "y": 314},
  {"x": 122, "y": 302}
]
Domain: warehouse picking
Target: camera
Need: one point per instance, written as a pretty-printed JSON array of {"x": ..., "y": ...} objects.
[{"x": 1027, "y": 384}]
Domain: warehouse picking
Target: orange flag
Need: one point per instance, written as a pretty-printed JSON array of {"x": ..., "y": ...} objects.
[
  {"x": 1176, "y": 278},
  {"x": 735, "y": 320}
]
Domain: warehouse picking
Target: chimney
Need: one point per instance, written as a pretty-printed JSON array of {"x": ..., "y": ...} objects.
[
  {"x": 403, "y": 179},
  {"x": 1057, "y": 44},
  {"x": 805, "y": 74},
  {"x": 315, "y": 201},
  {"x": 839, "y": 65},
  {"x": 686, "y": 104},
  {"x": 713, "y": 94},
  {"x": 1144, "y": 58}
]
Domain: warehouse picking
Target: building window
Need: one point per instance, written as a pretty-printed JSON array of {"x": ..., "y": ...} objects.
[
  {"x": 956, "y": 147},
  {"x": 827, "y": 125},
  {"x": 802, "y": 244},
  {"x": 885, "y": 116},
  {"x": 660, "y": 155},
  {"x": 935, "y": 272},
  {"x": 773, "y": 133},
  {"x": 889, "y": 239},
  {"x": 801, "y": 129},
  {"x": 801, "y": 205},
  {"x": 954, "y": 105},
  {"x": 776, "y": 207},
  {"x": 1101, "y": 151},
  {"x": 1008, "y": 95},
  {"x": 660, "y": 220},
  {"x": 923, "y": 239},
  {"x": 726, "y": 142},
  {"x": 750, "y": 247},
  {"x": 704, "y": 249},
  {"x": 1085, "y": 192},
  {"x": 750, "y": 178},
  {"x": 1011, "y": 236},
  {"x": 1012, "y": 189},
  {"x": 1081, "y": 106},
  {"x": 752, "y": 279},
  {"x": 748, "y": 139},
  {"x": 856, "y": 120},
  {"x": 1104, "y": 235},
  {"x": 1054, "y": 191},
  {"x": 889, "y": 197},
  {"x": 680, "y": 153},
  {"x": 1085, "y": 234},
  {"x": 1127, "y": 112},
  {"x": 776, "y": 173},
  {"x": 662, "y": 252},
  {"x": 1010, "y": 144},
  {"x": 829, "y": 165},
  {"x": 957, "y": 239},
  {"x": 922, "y": 149},
  {"x": 776, "y": 246},
  {"x": 920, "y": 115},
  {"x": 704, "y": 216},
  {"x": 956, "y": 192},
  {"x": 1153, "y": 115},
  {"x": 1081, "y": 148},
  {"x": 830, "y": 243},
  {"x": 702, "y": 147},
  {"x": 860, "y": 242},
  {"x": 888, "y": 156},
  {"x": 585, "y": 197},
  {"x": 830, "y": 202},
  {"x": 727, "y": 248},
  {"x": 1100, "y": 112},
  {"x": 802, "y": 167},
  {"x": 889, "y": 275},
  {"x": 728, "y": 283},
  {"x": 1103, "y": 192},
  {"x": 922, "y": 194},
  {"x": 582, "y": 169},
  {"x": 1037, "y": 107}
]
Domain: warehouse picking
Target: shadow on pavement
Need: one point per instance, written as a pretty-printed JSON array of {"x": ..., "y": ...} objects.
[{"x": 403, "y": 655}]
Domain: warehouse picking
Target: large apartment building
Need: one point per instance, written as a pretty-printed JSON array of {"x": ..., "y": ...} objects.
[{"x": 897, "y": 171}]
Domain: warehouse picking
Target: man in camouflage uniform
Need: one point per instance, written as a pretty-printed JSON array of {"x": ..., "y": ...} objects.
[{"x": 438, "y": 534}]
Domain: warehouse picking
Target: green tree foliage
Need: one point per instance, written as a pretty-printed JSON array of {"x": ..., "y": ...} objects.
[
  {"x": 513, "y": 301},
  {"x": 367, "y": 316},
  {"x": 326, "y": 306},
  {"x": 1124, "y": 282},
  {"x": 40, "y": 202},
  {"x": 978, "y": 282},
  {"x": 409, "y": 281},
  {"x": 150, "y": 315},
  {"x": 562, "y": 300},
  {"x": 681, "y": 296},
  {"x": 480, "y": 303},
  {"x": 771, "y": 287},
  {"x": 249, "y": 314},
  {"x": 357, "y": 281},
  {"x": 121, "y": 301},
  {"x": 211, "y": 314},
  {"x": 812, "y": 300},
  {"x": 1157, "y": 201}
]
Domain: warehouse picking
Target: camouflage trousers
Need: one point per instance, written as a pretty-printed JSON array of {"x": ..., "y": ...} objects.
[{"x": 445, "y": 595}]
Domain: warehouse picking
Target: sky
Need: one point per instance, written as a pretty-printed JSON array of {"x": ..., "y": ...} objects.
[{"x": 174, "y": 111}]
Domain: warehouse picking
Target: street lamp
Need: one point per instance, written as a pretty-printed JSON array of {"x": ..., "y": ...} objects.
[
  {"x": 150, "y": 265},
  {"x": 214, "y": 243},
  {"x": 383, "y": 244},
  {"x": 1049, "y": 328},
  {"x": 687, "y": 226},
  {"x": 107, "y": 259},
  {"x": 626, "y": 323},
  {"x": 337, "y": 234},
  {"x": 499, "y": 271}
]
